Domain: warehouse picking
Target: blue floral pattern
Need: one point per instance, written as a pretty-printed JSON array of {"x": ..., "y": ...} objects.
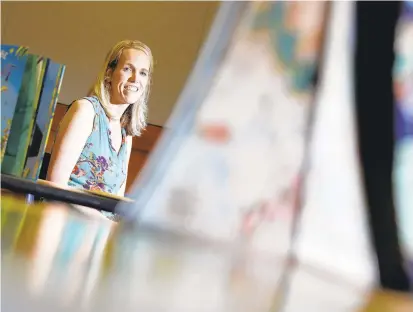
[{"x": 100, "y": 168}]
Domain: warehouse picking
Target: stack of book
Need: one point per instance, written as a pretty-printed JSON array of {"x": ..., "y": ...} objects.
[{"x": 30, "y": 85}]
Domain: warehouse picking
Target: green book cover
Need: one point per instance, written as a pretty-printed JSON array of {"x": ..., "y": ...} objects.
[
  {"x": 50, "y": 91},
  {"x": 22, "y": 123},
  {"x": 13, "y": 64}
]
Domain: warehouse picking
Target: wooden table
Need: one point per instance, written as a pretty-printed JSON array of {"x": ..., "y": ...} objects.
[{"x": 55, "y": 259}]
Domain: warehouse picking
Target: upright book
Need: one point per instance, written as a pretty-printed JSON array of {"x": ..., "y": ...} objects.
[
  {"x": 13, "y": 64},
  {"x": 24, "y": 115},
  {"x": 51, "y": 87}
]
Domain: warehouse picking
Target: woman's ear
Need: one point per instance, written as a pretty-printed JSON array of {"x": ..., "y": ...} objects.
[
  {"x": 108, "y": 75},
  {"x": 108, "y": 78}
]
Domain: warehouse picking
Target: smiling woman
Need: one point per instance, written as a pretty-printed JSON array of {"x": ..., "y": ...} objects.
[{"x": 93, "y": 145}]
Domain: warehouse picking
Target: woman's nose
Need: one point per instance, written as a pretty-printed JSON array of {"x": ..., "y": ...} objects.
[{"x": 134, "y": 77}]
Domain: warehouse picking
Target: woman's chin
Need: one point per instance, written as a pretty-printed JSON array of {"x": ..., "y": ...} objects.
[
  {"x": 131, "y": 98},
  {"x": 125, "y": 98}
]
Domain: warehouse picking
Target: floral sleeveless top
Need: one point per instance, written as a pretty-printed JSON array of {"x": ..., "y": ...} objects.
[{"x": 99, "y": 167}]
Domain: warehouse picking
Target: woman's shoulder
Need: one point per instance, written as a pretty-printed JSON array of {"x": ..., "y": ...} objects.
[
  {"x": 79, "y": 117},
  {"x": 89, "y": 103},
  {"x": 82, "y": 110},
  {"x": 84, "y": 104}
]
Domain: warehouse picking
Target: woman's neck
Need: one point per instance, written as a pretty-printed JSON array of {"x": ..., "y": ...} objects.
[{"x": 116, "y": 111}]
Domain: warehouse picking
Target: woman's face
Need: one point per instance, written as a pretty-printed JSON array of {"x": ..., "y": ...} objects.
[{"x": 130, "y": 77}]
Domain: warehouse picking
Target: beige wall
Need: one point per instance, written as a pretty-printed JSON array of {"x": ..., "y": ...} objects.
[{"x": 79, "y": 34}]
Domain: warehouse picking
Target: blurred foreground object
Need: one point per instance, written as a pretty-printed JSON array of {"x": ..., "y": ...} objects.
[
  {"x": 403, "y": 158},
  {"x": 262, "y": 146},
  {"x": 388, "y": 301},
  {"x": 54, "y": 259}
]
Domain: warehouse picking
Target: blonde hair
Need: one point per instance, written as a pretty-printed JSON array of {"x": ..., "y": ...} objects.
[{"x": 134, "y": 117}]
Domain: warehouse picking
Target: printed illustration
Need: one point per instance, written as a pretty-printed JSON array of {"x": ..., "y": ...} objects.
[{"x": 13, "y": 59}]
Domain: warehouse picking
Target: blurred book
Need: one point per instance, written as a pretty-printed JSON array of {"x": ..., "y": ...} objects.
[
  {"x": 250, "y": 143},
  {"x": 403, "y": 161},
  {"x": 230, "y": 162}
]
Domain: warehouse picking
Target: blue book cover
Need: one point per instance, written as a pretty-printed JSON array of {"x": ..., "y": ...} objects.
[
  {"x": 403, "y": 154},
  {"x": 43, "y": 121},
  {"x": 21, "y": 128},
  {"x": 13, "y": 64}
]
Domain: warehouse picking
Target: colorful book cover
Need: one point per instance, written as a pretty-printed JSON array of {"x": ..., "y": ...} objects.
[
  {"x": 43, "y": 122},
  {"x": 13, "y": 64},
  {"x": 403, "y": 162},
  {"x": 24, "y": 115}
]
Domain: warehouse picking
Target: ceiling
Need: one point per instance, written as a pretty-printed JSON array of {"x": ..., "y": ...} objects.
[{"x": 79, "y": 34}]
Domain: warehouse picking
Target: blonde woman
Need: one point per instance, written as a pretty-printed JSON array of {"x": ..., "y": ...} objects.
[{"x": 94, "y": 142}]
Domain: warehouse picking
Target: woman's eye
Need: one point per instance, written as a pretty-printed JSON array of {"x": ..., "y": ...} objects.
[
  {"x": 127, "y": 69},
  {"x": 144, "y": 74}
]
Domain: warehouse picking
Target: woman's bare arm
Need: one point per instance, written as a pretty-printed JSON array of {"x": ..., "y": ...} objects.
[{"x": 74, "y": 130}]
